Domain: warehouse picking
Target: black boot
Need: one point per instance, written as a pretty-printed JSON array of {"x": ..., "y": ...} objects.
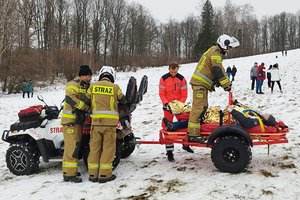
[
  {"x": 168, "y": 124},
  {"x": 170, "y": 156},
  {"x": 187, "y": 148},
  {"x": 94, "y": 180},
  {"x": 196, "y": 139},
  {"x": 104, "y": 180},
  {"x": 73, "y": 179}
]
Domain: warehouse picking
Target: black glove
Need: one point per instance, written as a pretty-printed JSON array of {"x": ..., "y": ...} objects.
[
  {"x": 166, "y": 106},
  {"x": 227, "y": 89},
  {"x": 216, "y": 83}
]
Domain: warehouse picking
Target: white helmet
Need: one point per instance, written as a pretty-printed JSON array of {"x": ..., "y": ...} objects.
[
  {"x": 107, "y": 71},
  {"x": 225, "y": 41}
]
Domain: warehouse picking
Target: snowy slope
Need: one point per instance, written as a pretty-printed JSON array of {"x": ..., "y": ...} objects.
[{"x": 147, "y": 174}]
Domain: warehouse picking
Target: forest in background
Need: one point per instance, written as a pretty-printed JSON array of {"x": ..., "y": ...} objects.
[{"x": 49, "y": 39}]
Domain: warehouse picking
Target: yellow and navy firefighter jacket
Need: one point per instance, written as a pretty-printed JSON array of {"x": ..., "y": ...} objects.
[
  {"x": 210, "y": 69},
  {"x": 75, "y": 91},
  {"x": 104, "y": 96}
]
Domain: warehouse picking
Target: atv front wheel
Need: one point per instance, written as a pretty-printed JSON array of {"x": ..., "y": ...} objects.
[
  {"x": 22, "y": 158},
  {"x": 231, "y": 154}
]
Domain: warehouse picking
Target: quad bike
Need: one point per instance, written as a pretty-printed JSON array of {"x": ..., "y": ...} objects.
[
  {"x": 230, "y": 143},
  {"x": 41, "y": 135}
]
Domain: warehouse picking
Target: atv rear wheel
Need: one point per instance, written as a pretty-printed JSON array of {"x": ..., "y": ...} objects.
[
  {"x": 126, "y": 145},
  {"x": 22, "y": 158},
  {"x": 231, "y": 154}
]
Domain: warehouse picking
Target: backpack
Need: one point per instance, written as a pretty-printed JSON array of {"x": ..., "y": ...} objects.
[{"x": 260, "y": 73}]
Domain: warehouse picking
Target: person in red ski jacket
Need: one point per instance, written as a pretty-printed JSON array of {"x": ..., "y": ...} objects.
[
  {"x": 261, "y": 76},
  {"x": 172, "y": 86}
]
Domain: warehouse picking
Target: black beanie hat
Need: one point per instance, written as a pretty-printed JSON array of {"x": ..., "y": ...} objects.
[
  {"x": 271, "y": 121},
  {"x": 85, "y": 70}
]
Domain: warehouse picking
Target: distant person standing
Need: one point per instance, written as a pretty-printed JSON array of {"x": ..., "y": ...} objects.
[
  {"x": 253, "y": 75},
  {"x": 24, "y": 89},
  {"x": 261, "y": 76},
  {"x": 285, "y": 52},
  {"x": 275, "y": 76},
  {"x": 233, "y": 72},
  {"x": 228, "y": 71},
  {"x": 269, "y": 76},
  {"x": 30, "y": 88}
]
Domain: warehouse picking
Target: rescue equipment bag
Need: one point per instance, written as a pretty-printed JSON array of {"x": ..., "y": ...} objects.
[
  {"x": 30, "y": 114},
  {"x": 24, "y": 125}
]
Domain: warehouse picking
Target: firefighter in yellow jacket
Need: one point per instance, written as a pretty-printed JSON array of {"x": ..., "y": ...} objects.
[
  {"x": 104, "y": 97},
  {"x": 72, "y": 121},
  {"x": 209, "y": 71}
]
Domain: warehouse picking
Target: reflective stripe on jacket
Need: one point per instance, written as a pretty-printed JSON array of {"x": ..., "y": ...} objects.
[
  {"x": 172, "y": 88},
  {"x": 75, "y": 91},
  {"x": 209, "y": 69},
  {"x": 103, "y": 97}
]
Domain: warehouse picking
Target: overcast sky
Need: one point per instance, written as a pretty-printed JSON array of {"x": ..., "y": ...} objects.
[{"x": 162, "y": 10}]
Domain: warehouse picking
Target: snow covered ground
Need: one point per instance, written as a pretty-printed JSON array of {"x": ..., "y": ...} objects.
[{"x": 147, "y": 174}]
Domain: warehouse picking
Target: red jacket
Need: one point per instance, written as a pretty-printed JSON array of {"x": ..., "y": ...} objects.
[
  {"x": 263, "y": 73},
  {"x": 172, "y": 88}
]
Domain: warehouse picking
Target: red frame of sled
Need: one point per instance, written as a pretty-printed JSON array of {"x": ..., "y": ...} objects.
[
  {"x": 180, "y": 137},
  {"x": 166, "y": 137}
]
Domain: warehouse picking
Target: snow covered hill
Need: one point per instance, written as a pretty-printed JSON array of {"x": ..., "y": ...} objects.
[{"x": 147, "y": 174}]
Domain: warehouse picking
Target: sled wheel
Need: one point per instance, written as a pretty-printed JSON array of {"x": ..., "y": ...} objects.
[
  {"x": 231, "y": 154},
  {"x": 126, "y": 147},
  {"x": 22, "y": 158}
]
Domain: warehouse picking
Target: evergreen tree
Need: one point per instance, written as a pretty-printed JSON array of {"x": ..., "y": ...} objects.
[{"x": 206, "y": 37}]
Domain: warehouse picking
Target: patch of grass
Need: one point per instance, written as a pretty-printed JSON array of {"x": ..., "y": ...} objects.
[
  {"x": 266, "y": 173},
  {"x": 143, "y": 196},
  {"x": 170, "y": 185},
  {"x": 287, "y": 166},
  {"x": 267, "y": 192},
  {"x": 181, "y": 169},
  {"x": 154, "y": 180},
  {"x": 147, "y": 165},
  {"x": 146, "y": 122},
  {"x": 286, "y": 157},
  {"x": 152, "y": 189}
]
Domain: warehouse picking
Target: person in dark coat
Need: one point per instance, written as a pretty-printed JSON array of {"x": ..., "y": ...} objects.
[
  {"x": 269, "y": 76},
  {"x": 233, "y": 72},
  {"x": 228, "y": 71},
  {"x": 253, "y": 75},
  {"x": 30, "y": 88},
  {"x": 24, "y": 89}
]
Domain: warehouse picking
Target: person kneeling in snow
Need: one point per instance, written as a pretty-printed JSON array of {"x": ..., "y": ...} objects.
[{"x": 246, "y": 118}]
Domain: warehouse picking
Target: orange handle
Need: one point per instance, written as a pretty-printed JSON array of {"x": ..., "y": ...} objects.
[{"x": 229, "y": 103}]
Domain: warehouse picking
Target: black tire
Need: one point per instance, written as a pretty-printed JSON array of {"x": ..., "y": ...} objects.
[
  {"x": 85, "y": 154},
  {"x": 231, "y": 154},
  {"x": 22, "y": 158},
  {"x": 126, "y": 146}
]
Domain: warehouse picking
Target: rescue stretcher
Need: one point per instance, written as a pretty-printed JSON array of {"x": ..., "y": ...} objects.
[{"x": 228, "y": 130}]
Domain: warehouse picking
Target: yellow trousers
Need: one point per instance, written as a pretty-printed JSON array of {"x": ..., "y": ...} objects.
[
  {"x": 102, "y": 151},
  {"x": 199, "y": 101},
  {"x": 72, "y": 141}
]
